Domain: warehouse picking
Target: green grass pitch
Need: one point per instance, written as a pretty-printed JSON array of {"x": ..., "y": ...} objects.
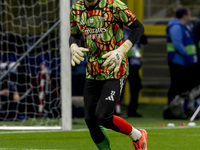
[{"x": 159, "y": 138}]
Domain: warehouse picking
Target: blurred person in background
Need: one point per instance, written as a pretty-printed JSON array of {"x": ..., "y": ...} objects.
[
  {"x": 181, "y": 55},
  {"x": 9, "y": 99}
]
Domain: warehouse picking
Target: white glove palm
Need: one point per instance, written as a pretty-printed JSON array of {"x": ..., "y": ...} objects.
[
  {"x": 77, "y": 54},
  {"x": 114, "y": 58}
]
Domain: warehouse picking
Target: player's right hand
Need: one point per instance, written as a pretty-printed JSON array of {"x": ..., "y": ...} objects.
[{"x": 77, "y": 54}]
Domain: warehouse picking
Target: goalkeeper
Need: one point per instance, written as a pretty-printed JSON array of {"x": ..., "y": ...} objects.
[{"x": 101, "y": 24}]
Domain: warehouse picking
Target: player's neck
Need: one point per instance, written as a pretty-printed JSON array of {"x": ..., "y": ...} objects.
[{"x": 90, "y": 4}]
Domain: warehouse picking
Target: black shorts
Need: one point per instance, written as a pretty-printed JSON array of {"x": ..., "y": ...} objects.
[{"x": 101, "y": 97}]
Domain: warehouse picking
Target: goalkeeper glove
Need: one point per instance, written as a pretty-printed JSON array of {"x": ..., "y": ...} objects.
[
  {"x": 77, "y": 54},
  {"x": 114, "y": 58}
]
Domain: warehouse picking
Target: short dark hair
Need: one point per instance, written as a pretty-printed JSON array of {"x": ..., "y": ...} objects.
[{"x": 180, "y": 12}]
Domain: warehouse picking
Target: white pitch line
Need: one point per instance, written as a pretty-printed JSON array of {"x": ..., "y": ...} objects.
[
  {"x": 13, "y": 132},
  {"x": 176, "y": 127},
  {"x": 26, "y": 149},
  {"x": 81, "y": 130},
  {"x": 86, "y": 130},
  {"x": 40, "y": 131},
  {"x": 8, "y": 148},
  {"x": 148, "y": 128},
  {"x": 192, "y": 135}
]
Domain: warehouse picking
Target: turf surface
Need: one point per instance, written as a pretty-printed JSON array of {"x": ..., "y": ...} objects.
[{"x": 159, "y": 138}]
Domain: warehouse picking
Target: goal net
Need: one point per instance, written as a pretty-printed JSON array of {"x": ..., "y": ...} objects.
[{"x": 30, "y": 94}]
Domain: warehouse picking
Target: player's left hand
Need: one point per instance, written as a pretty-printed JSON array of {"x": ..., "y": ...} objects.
[{"x": 114, "y": 58}]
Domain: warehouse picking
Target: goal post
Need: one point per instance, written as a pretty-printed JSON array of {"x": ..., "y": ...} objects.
[
  {"x": 35, "y": 58},
  {"x": 65, "y": 65}
]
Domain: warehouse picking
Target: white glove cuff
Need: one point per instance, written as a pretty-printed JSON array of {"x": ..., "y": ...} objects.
[{"x": 126, "y": 46}]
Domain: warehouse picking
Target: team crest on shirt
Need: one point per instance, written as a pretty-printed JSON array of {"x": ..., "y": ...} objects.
[
  {"x": 92, "y": 20},
  {"x": 82, "y": 23}
]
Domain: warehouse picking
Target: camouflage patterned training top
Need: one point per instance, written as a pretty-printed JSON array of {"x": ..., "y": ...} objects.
[{"x": 102, "y": 29}]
